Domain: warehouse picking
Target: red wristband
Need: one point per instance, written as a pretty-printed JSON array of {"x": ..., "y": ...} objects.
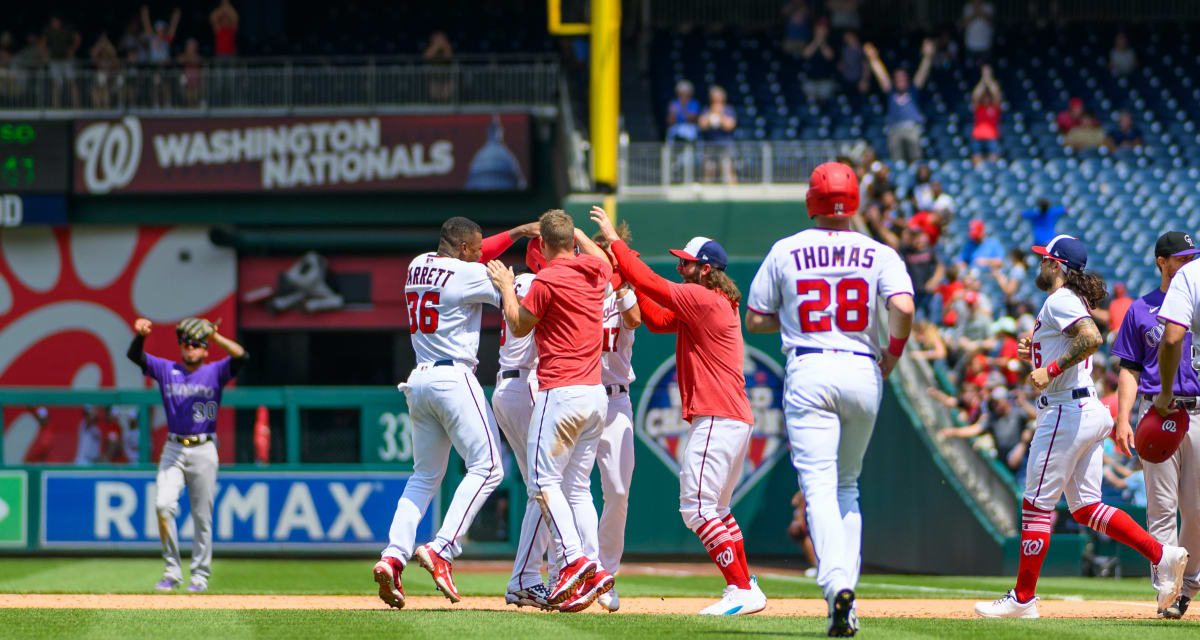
[
  {"x": 896, "y": 345},
  {"x": 1054, "y": 370}
]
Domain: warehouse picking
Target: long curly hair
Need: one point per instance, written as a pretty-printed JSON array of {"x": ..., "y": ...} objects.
[
  {"x": 720, "y": 281},
  {"x": 1087, "y": 285}
]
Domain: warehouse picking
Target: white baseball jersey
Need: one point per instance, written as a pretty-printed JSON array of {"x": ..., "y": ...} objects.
[
  {"x": 616, "y": 354},
  {"x": 824, "y": 284},
  {"x": 1179, "y": 305},
  {"x": 445, "y": 299},
  {"x": 518, "y": 353},
  {"x": 1062, "y": 309}
]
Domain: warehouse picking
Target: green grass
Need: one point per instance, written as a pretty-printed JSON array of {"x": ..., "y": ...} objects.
[
  {"x": 353, "y": 576},
  {"x": 299, "y": 625}
]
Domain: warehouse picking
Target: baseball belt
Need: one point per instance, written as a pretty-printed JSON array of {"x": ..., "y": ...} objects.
[
  {"x": 191, "y": 440},
  {"x": 803, "y": 351},
  {"x": 511, "y": 373},
  {"x": 614, "y": 389},
  {"x": 1188, "y": 403},
  {"x": 1059, "y": 397}
]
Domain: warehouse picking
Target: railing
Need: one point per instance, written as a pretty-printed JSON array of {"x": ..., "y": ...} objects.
[
  {"x": 288, "y": 85},
  {"x": 652, "y": 166},
  {"x": 1022, "y": 12}
]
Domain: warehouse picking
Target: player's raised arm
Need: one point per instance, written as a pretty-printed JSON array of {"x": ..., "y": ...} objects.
[
  {"x": 494, "y": 246},
  {"x": 632, "y": 268}
]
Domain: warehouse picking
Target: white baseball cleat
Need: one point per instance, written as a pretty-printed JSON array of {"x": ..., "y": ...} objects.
[
  {"x": 737, "y": 602},
  {"x": 1007, "y": 607},
  {"x": 536, "y": 596},
  {"x": 1169, "y": 575},
  {"x": 609, "y": 600},
  {"x": 843, "y": 615}
]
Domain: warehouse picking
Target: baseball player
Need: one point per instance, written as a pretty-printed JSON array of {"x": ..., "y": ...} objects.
[
  {"x": 564, "y": 303},
  {"x": 614, "y": 456},
  {"x": 702, "y": 312},
  {"x": 1171, "y": 485},
  {"x": 191, "y": 394},
  {"x": 512, "y": 402},
  {"x": 819, "y": 288},
  {"x": 1066, "y": 453},
  {"x": 446, "y": 291}
]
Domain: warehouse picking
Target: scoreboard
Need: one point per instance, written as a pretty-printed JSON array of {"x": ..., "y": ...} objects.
[{"x": 35, "y": 156}]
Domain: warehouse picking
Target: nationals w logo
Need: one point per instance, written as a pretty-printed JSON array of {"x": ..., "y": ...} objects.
[
  {"x": 1032, "y": 547},
  {"x": 725, "y": 558},
  {"x": 1169, "y": 425}
]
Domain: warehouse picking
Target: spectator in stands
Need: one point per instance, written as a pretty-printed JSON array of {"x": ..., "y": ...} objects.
[
  {"x": 439, "y": 54},
  {"x": 716, "y": 129},
  {"x": 1002, "y": 421},
  {"x": 8, "y": 84},
  {"x": 683, "y": 114},
  {"x": 843, "y": 15},
  {"x": 1121, "y": 59},
  {"x": 61, "y": 44},
  {"x": 980, "y": 252},
  {"x": 978, "y": 31},
  {"x": 1126, "y": 135},
  {"x": 1118, "y": 306},
  {"x": 923, "y": 265},
  {"x": 1043, "y": 218},
  {"x": 973, "y": 329},
  {"x": 191, "y": 77},
  {"x": 921, "y": 194},
  {"x": 904, "y": 118},
  {"x": 89, "y": 446},
  {"x": 852, "y": 64},
  {"x": 132, "y": 44},
  {"x": 224, "y": 21},
  {"x": 159, "y": 36},
  {"x": 798, "y": 30},
  {"x": 943, "y": 203},
  {"x": 968, "y": 401},
  {"x": 948, "y": 291},
  {"x": 104, "y": 59},
  {"x": 30, "y": 59},
  {"x": 1009, "y": 277},
  {"x": 1070, "y": 117},
  {"x": 985, "y": 102},
  {"x": 945, "y": 54},
  {"x": 929, "y": 344},
  {"x": 877, "y": 182},
  {"x": 929, "y": 223},
  {"x": 1086, "y": 135},
  {"x": 819, "y": 68},
  {"x": 43, "y": 443}
]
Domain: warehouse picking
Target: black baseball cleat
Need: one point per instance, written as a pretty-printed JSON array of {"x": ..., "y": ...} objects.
[
  {"x": 843, "y": 620},
  {"x": 1176, "y": 610}
]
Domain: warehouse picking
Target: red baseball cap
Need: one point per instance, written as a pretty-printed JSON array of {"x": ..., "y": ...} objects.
[
  {"x": 534, "y": 258},
  {"x": 975, "y": 230}
]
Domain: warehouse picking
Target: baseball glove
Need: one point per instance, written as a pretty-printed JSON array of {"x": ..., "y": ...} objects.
[{"x": 195, "y": 328}]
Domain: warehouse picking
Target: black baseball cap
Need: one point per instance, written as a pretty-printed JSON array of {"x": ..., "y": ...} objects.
[{"x": 1174, "y": 243}]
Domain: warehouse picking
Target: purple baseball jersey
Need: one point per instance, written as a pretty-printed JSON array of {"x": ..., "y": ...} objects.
[
  {"x": 191, "y": 399},
  {"x": 1138, "y": 339}
]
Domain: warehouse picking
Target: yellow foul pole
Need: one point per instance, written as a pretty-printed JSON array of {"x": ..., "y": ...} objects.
[{"x": 605, "y": 92}]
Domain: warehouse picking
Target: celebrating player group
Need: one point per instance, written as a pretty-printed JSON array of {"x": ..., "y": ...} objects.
[{"x": 562, "y": 402}]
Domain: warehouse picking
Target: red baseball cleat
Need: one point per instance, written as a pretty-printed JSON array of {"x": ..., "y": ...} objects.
[
  {"x": 587, "y": 592},
  {"x": 387, "y": 574},
  {"x": 439, "y": 568},
  {"x": 571, "y": 577}
]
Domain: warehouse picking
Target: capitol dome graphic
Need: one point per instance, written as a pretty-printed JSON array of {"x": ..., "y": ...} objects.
[{"x": 494, "y": 167}]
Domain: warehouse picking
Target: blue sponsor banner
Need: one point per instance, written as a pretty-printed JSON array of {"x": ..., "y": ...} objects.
[
  {"x": 252, "y": 510},
  {"x": 18, "y": 209}
]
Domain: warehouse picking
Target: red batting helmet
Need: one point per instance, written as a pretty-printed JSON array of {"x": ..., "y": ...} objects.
[
  {"x": 534, "y": 258},
  {"x": 1157, "y": 438},
  {"x": 832, "y": 191}
]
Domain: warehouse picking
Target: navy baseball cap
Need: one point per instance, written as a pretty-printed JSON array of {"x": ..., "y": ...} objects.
[
  {"x": 1068, "y": 250},
  {"x": 1174, "y": 243},
  {"x": 705, "y": 251}
]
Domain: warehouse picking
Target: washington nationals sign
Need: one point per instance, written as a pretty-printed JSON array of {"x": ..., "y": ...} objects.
[{"x": 660, "y": 424}]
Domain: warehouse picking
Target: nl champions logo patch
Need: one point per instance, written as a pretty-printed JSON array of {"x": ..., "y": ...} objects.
[{"x": 660, "y": 425}]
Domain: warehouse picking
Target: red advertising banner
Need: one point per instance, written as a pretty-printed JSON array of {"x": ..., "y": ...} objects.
[
  {"x": 68, "y": 299},
  {"x": 302, "y": 154},
  {"x": 334, "y": 292}
]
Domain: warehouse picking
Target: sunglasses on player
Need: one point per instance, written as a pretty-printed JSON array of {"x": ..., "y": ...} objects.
[{"x": 195, "y": 344}]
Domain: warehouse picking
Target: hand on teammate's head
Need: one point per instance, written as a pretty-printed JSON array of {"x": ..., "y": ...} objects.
[
  {"x": 529, "y": 230},
  {"x": 600, "y": 217}
]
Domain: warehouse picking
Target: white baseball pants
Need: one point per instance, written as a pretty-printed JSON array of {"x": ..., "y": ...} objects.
[
  {"x": 614, "y": 458},
  {"x": 195, "y": 467},
  {"x": 512, "y": 402},
  {"x": 563, "y": 436},
  {"x": 711, "y": 467},
  {"x": 447, "y": 408},
  {"x": 830, "y": 404},
  {"x": 1066, "y": 454},
  {"x": 1173, "y": 487}
]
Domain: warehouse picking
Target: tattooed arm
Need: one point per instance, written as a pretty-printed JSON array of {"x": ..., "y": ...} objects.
[{"x": 1085, "y": 339}]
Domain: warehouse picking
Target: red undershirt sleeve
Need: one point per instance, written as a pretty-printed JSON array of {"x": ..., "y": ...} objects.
[
  {"x": 642, "y": 277},
  {"x": 495, "y": 245}
]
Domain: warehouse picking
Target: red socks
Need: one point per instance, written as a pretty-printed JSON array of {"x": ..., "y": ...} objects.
[
  {"x": 720, "y": 547},
  {"x": 1117, "y": 525},
  {"x": 735, "y": 534},
  {"x": 1035, "y": 539}
]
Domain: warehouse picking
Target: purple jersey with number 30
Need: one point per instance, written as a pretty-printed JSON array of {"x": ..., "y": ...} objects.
[
  {"x": 1137, "y": 341},
  {"x": 191, "y": 399}
]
